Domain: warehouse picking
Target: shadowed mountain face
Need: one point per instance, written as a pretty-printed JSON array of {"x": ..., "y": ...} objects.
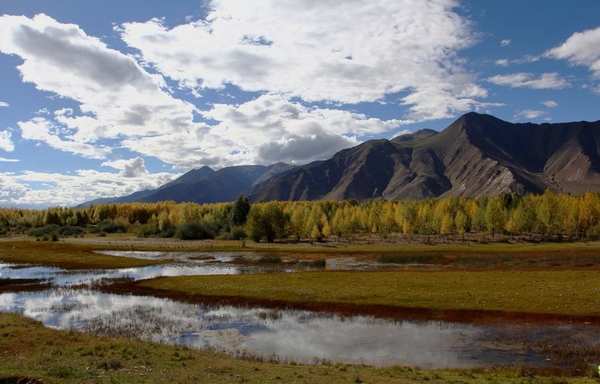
[
  {"x": 205, "y": 185},
  {"x": 223, "y": 185},
  {"x": 476, "y": 155}
]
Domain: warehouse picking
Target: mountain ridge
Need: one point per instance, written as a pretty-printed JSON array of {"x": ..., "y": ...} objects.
[{"x": 476, "y": 155}]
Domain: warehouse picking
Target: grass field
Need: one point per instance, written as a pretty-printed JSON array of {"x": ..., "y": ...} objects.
[
  {"x": 64, "y": 255},
  {"x": 565, "y": 285},
  {"x": 567, "y": 292}
]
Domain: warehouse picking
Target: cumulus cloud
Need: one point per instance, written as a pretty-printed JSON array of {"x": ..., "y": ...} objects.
[
  {"x": 528, "y": 80},
  {"x": 320, "y": 51},
  {"x": 582, "y": 48},
  {"x": 530, "y": 114},
  {"x": 3, "y": 104},
  {"x": 550, "y": 103},
  {"x": 288, "y": 126},
  {"x": 5, "y": 160},
  {"x": 44, "y": 130},
  {"x": 502, "y": 62},
  {"x": 6, "y": 143},
  {"x": 117, "y": 97},
  {"x": 121, "y": 104},
  {"x": 505, "y": 42},
  {"x": 129, "y": 168},
  {"x": 19, "y": 189}
]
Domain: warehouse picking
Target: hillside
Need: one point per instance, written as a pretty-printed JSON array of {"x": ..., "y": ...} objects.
[{"x": 476, "y": 155}]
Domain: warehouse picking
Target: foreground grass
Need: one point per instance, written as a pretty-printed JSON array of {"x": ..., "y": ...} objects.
[
  {"x": 29, "y": 350},
  {"x": 565, "y": 292},
  {"x": 64, "y": 255}
]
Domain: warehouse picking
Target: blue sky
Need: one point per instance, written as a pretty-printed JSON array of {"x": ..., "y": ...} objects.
[{"x": 104, "y": 98}]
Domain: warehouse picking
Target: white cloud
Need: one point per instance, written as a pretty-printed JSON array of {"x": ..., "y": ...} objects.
[
  {"x": 401, "y": 133},
  {"x": 528, "y": 80},
  {"x": 5, "y": 160},
  {"x": 122, "y": 105},
  {"x": 505, "y": 42},
  {"x": 530, "y": 114},
  {"x": 6, "y": 143},
  {"x": 20, "y": 189},
  {"x": 502, "y": 62},
  {"x": 129, "y": 168},
  {"x": 282, "y": 130},
  {"x": 582, "y": 48},
  {"x": 43, "y": 130},
  {"x": 550, "y": 103},
  {"x": 321, "y": 51},
  {"x": 3, "y": 104},
  {"x": 117, "y": 97}
]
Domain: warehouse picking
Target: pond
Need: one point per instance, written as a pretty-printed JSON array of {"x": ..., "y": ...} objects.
[{"x": 297, "y": 336}]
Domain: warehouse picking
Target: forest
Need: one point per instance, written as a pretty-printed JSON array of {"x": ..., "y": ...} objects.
[{"x": 549, "y": 216}]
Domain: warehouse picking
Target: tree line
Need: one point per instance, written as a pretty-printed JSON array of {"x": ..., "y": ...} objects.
[{"x": 549, "y": 215}]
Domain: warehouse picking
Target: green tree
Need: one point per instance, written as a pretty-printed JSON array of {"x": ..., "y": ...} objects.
[
  {"x": 267, "y": 222},
  {"x": 239, "y": 211}
]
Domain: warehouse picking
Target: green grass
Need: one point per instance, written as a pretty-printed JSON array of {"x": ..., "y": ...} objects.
[
  {"x": 65, "y": 255},
  {"x": 565, "y": 292},
  {"x": 29, "y": 350}
]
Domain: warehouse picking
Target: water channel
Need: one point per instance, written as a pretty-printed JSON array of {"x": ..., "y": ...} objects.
[{"x": 281, "y": 335}]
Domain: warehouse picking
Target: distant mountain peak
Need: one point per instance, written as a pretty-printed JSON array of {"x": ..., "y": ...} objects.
[
  {"x": 476, "y": 155},
  {"x": 419, "y": 135}
]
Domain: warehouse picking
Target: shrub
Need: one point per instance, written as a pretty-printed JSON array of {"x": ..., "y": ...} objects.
[
  {"x": 153, "y": 230},
  {"x": 46, "y": 230},
  {"x": 319, "y": 263},
  {"x": 270, "y": 260},
  {"x": 109, "y": 226},
  {"x": 195, "y": 230},
  {"x": 70, "y": 230},
  {"x": 55, "y": 231},
  {"x": 238, "y": 233},
  {"x": 404, "y": 259}
]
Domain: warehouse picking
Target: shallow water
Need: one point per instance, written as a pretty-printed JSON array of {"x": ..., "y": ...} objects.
[
  {"x": 290, "y": 335},
  {"x": 282, "y": 335}
]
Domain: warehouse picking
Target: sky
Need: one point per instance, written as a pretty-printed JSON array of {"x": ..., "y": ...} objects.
[{"x": 102, "y": 98}]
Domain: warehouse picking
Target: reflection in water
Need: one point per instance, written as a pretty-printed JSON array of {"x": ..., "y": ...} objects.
[
  {"x": 285, "y": 335},
  {"x": 291, "y": 335},
  {"x": 61, "y": 277}
]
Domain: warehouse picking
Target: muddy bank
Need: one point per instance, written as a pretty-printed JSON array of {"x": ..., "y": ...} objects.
[{"x": 23, "y": 285}]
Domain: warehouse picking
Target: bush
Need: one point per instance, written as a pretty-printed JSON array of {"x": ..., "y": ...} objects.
[
  {"x": 195, "y": 230},
  {"x": 319, "y": 263},
  {"x": 405, "y": 259},
  {"x": 70, "y": 230},
  {"x": 109, "y": 226},
  {"x": 152, "y": 230},
  {"x": 238, "y": 233},
  {"x": 46, "y": 230},
  {"x": 55, "y": 231},
  {"x": 270, "y": 260}
]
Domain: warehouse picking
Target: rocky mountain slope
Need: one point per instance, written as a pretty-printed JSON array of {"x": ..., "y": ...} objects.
[{"x": 476, "y": 155}]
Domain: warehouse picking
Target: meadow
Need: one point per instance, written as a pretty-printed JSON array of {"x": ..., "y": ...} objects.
[{"x": 475, "y": 283}]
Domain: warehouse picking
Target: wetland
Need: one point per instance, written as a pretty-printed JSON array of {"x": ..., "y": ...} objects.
[{"x": 428, "y": 312}]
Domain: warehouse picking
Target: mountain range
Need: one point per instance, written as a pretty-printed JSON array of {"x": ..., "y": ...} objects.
[{"x": 476, "y": 155}]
